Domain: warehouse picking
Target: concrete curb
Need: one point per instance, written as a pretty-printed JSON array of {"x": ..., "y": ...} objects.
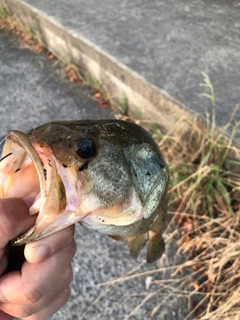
[{"x": 146, "y": 101}]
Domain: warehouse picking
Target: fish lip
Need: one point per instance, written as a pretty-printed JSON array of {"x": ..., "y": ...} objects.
[
  {"x": 17, "y": 141},
  {"x": 21, "y": 240},
  {"x": 56, "y": 201},
  {"x": 22, "y": 140}
]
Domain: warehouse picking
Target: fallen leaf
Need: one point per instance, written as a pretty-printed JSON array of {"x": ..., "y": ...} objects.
[
  {"x": 51, "y": 57},
  {"x": 71, "y": 78},
  {"x": 104, "y": 105},
  {"x": 97, "y": 95}
]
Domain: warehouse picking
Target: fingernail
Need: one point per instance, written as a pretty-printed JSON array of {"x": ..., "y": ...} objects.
[
  {"x": 36, "y": 253},
  {"x": 41, "y": 252}
]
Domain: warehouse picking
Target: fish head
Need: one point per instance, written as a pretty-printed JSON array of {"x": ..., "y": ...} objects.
[{"x": 109, "y": 175}]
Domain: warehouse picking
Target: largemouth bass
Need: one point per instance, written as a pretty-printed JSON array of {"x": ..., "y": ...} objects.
[{"x": 108, "y": 175}]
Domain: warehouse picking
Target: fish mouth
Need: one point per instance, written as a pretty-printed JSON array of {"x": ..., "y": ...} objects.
[{"x": 30, "y": 171}]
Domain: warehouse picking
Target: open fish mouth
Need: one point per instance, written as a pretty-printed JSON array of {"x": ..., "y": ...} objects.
[
  {"x": 108, "y": 175},
  {"x": 31, "y": 171}
]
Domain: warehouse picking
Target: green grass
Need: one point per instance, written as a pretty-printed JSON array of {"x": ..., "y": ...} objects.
[
  {"x": 200, "y": 183},
  {"x": 3, "y": 12},
  {"x": 31, "y": 34},
  {"x": 124, "y": 106}
]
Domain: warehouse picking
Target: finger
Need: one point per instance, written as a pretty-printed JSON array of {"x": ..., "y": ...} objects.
[
  {"x": 35, "y": 280},
  {"x": 39, "y": 250},
  {"x": 14, "y": 219},
  {"x": 50, "y": 307},
  {"x": 47, "y": 305},
  {"x": 59, "y": 302}
]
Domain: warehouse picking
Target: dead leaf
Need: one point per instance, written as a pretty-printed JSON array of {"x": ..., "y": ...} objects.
[
  {"x": 51, "y": 57},
  {"x": 97, "y": 95},
  {"x": 71, "y": 78}
]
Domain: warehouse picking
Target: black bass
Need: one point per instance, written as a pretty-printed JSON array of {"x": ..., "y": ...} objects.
[{"x": 108, "y": 175}]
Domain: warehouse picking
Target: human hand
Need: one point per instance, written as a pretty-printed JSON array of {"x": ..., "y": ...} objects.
[{"x": 34, "y": 281}]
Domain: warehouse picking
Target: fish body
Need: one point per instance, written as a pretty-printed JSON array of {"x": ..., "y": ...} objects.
[{"x": 108, "y": 175}]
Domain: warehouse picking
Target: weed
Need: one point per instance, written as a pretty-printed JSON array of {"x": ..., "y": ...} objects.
[
  {"x": 31, "y": 34},
  {"x": 124, "y": 106},
  {"x": 94, "y": 83},
  {"x": 101, "y": 94},
  {"x": 202, "y": 189},
  {"x": 3, "y": 12},
  {"x": 70, "y": 68},
  {"x": 198, "y": 166}
]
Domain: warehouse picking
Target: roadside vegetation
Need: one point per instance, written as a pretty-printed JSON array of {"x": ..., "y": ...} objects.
[{"x": 204, "y": 203}]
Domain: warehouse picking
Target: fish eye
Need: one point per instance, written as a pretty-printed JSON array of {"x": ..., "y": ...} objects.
[{"x": 85, "y": 148}]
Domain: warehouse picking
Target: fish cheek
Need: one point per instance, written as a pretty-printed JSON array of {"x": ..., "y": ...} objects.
[
  {"x": 156, "y": 247},
  {"x": 135, "y": 244},
  {"x": 111, "y": 181}
]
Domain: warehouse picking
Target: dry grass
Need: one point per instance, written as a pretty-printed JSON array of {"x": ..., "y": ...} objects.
[
  {"x": 204, "y": 199},
  {"x": 215, "y": 247}
]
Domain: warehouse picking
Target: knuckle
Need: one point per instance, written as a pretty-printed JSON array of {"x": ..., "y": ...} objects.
[
  {"x": 26, "y": 311},
  {"x": 18, "y": 311},
  {"x": 68, "y": 275},
  {"x": 34, "y": 316},
  {"x": 31, "y": 295},
  {"x": 65, "y": 295}
]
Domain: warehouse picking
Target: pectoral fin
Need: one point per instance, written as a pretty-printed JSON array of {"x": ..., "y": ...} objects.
[
  {"x": 156, "y": 246},
  {"x": 135, "y": 244}
]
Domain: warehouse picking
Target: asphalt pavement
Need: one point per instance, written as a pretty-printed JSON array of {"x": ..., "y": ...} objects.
[
  {"x": 33, "y": 90},
  {"x": 153, "y": 52}
]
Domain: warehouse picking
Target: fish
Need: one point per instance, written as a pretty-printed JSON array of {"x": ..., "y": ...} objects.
[{"x": 108, "y": 175}]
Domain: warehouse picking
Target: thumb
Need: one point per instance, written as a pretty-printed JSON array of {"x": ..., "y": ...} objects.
[{"x": 14, "y": 219}]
